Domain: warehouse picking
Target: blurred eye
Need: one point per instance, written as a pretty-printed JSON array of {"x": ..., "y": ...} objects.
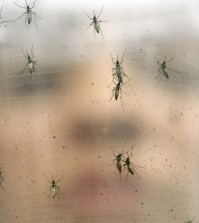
[{"x": 86, "y": 130}]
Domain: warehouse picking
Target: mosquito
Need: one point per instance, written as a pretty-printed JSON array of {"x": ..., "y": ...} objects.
[
  {"x": 31, "y": 63},
  {"x": 29, "y": 13},
  {"x": 95, "y": 22},
  {"x": 118, "y": 90},
  {"x": 162, "y": 70},
  {"x": 130, "y": 166},
  {"x": 117, "y": 161},
  {"x": 118, "y": 69},
  {"x": 1, "y": 179},
  {"x": 54, "y": 188},
  {"x": 1, "y": 22}
]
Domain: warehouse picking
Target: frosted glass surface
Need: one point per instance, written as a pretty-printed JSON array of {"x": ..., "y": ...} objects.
[{"x": 61, "y": 121}]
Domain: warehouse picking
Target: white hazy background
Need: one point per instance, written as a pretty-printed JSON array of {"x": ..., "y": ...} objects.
[{"x": 60, "y": 122}]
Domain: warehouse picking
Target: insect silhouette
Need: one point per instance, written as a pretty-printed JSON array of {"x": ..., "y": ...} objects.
[
  {"x": 1, "y": 22},
  {"x": 117, "y": 161},
  {"x": 189, "y": 221},
  {"x": 1, "y": 179},
  {"x": 130, "y": 166},
  {"x": 162, "y": 70},
  {"x": 54, "y": 188},
  {"x": 31, "y": 63},
  {"x": 95, "y": 22},
  {"x": 30, "y": 14},
  {"x": 118, "y": 70}
]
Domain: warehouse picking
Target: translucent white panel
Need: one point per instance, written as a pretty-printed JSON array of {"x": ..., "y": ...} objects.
[{"x": 61, "y": 126}]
